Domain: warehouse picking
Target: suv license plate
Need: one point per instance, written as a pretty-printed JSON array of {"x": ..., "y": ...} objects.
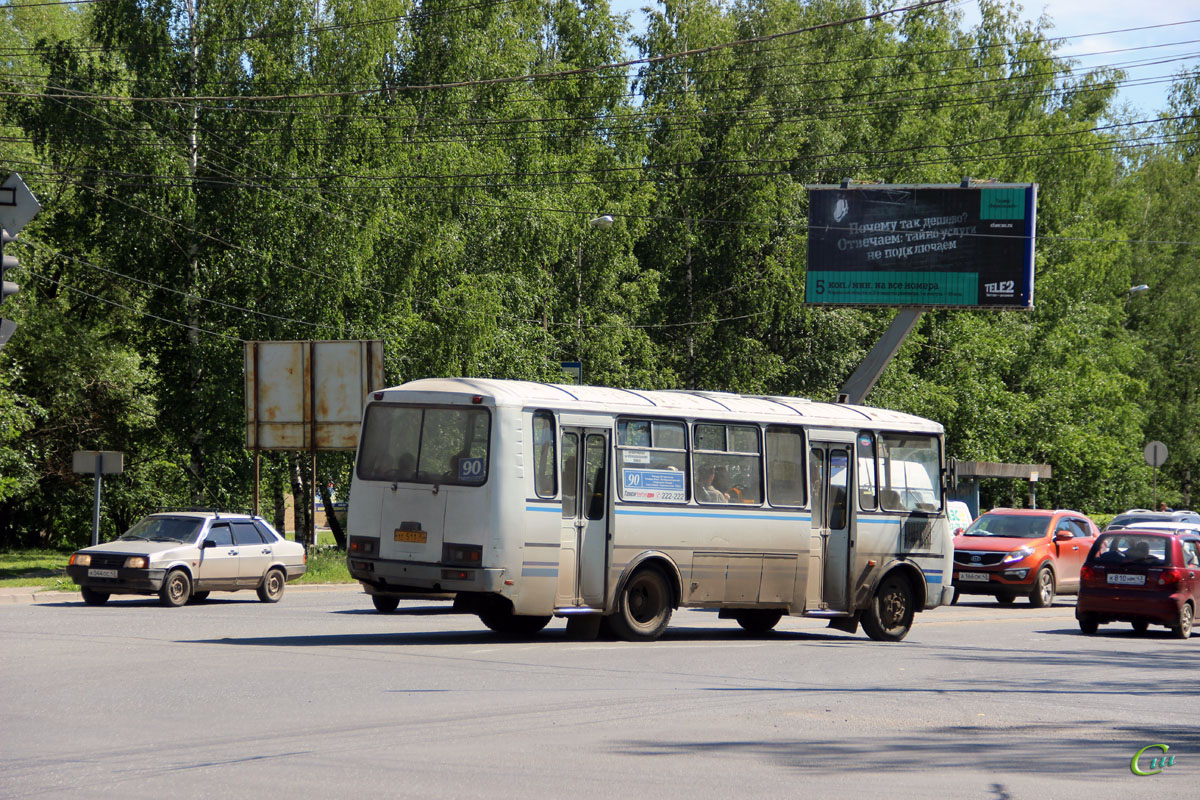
[
  {"x": 102, "y": 573},
  {"x": 1126, "y": 580},
  {"x": 974, "y": 576}
]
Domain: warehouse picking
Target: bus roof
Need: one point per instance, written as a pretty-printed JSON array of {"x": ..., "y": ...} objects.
[{"x": 690, "y": 403}]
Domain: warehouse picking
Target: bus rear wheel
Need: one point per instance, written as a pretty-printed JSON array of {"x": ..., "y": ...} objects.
[
  {"x": 498, "y": 615},
  {"x": 759, "y": 620},
  {"x": 890, "y": 613},
  {"x": 643, "y": 607}
]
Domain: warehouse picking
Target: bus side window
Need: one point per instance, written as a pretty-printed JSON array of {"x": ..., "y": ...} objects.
[
  {"x": 545, "y": 478},
  {"x": 866, "y": 472},
  {"x": 785, "y": 466}
]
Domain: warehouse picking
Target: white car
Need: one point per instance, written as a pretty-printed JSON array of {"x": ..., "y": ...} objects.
[
  {"x": 183, "y": 555},
  {"x": 958, "y": 514}
]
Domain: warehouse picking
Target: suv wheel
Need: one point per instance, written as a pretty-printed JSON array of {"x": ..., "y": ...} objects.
[{"x": 1042, "y": 595}]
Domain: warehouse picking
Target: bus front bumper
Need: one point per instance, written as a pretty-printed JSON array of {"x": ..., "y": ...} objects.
[{"x": 387, "y": 576}]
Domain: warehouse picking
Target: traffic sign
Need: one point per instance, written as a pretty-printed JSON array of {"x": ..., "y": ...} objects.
[
  {"x": 17, "y": 204},
  {"x": 1156, "y": 454}
]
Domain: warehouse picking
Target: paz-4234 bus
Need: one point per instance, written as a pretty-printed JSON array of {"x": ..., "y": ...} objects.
[{"x": 612, "y": 507}]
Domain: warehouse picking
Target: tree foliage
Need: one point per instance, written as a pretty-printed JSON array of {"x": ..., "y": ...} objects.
[{"x": 425, "y": 172}]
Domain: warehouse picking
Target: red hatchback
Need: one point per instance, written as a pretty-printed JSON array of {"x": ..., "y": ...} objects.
[
  {"x": 1034, "y": 553},
  {"x": 1141, "y": 576}
]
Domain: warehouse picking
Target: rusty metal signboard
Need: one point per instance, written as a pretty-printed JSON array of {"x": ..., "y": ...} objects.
[{"x": 309, "y": 395}]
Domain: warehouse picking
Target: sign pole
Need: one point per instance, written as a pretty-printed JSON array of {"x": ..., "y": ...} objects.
[{"x": 96, "y": 506}]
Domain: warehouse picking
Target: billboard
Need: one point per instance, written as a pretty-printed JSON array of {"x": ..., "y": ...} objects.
[
  {"x": 309, "y": 395},
  {"x": 937, "y": 245}
]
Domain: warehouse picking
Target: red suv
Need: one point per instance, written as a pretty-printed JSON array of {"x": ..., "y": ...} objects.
[{"x": 1034, "y": 553}]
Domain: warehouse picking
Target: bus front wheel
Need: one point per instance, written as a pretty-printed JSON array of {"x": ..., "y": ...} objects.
[
  {"x": 643, "y": 607},
  {"x": 890, "y": 614}
]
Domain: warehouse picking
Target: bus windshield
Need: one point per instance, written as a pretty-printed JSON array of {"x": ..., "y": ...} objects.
[{"x": 415, "y": 444}]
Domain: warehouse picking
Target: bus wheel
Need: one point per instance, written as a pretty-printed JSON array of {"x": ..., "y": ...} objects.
[
  {"x": 498, "y": 615},
  {"x": 384, "y": 604},
  {"x": 890, "y": 614},
  {"x": 759, "y": 620},
  {"x": 643, "y": 607}
]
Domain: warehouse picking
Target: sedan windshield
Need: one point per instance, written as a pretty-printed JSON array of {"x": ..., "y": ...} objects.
[
  {"x": 1018, "y": 526},
  {"x": 164, "y": 529}
]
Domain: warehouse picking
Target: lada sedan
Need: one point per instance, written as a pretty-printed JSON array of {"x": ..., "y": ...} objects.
[
  {"x": 1141, "y": 576},
  {"x": 184, "y": 555},
  {"x": 1034, "y": 553}
]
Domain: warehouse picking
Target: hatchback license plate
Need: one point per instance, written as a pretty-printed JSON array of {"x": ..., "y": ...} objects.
[
  {"x": 974, "y": 576},
  {"x": 102, "y": 573},
  {"x": 1126, "y": 580},
  {"x": 414, "y": 537}
]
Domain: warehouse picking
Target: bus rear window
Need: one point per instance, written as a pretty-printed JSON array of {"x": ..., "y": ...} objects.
[{"x": 447, "y": 446}]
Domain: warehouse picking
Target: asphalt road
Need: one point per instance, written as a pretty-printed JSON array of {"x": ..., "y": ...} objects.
[{"x": 322, "y": 697}]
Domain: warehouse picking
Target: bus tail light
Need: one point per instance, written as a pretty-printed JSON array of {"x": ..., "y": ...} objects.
[
  {"x": 469, "y": 555},
  {"x": 361, "y": 546}
]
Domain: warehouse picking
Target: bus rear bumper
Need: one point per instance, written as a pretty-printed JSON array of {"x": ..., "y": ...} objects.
[{"x": 387, "y": 576}]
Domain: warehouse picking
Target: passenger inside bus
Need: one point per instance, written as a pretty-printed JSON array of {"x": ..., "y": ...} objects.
[{"x": 706, "y": 492}]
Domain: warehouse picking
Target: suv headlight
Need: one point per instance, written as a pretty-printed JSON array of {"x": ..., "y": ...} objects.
[{"x": 1017, "y": 555}]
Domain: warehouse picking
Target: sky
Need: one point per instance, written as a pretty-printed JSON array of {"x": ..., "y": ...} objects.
[{"x": 1170, "y": 49}]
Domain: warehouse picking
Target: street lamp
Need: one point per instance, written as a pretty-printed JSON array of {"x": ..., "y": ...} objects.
[{"x": 602, "y": 223}]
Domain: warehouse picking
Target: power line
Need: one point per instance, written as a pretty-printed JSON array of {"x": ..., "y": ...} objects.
[{"x": 526, "y": 78}]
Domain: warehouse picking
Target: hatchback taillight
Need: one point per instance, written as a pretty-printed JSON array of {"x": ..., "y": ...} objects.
[
  {"x": 1170, "y": 577},
  {"x": 1087, "y": 576}
]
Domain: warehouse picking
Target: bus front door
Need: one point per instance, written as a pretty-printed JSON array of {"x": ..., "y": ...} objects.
[
  {"x": 583, "y": 548},
  {"x": 831, "y": 476}
]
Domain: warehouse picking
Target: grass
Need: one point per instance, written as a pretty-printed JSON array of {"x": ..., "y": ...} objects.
[{"x": 46, "y": 569}]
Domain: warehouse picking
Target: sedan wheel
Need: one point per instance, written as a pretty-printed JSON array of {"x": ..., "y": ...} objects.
[
  {"x": 272, "y": 586},
  {"x": 176, "y": 589},
  {"x": 1183, "y": 628},
  {"x": 92, "y": 597}
]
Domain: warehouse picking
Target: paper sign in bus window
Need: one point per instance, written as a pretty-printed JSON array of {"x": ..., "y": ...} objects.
[{"x": 652, "y": 484}]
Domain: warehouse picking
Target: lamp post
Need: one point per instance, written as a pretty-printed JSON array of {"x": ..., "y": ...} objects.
[{"x": 600, "y": 223}]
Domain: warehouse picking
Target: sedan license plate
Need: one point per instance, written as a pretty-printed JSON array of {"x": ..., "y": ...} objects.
[
  {"x": 413, "y": 537},
  {"x": 102, "y": 573},
  {"x": 1126, "y": 580},
  {"x": 974, "y": 576}
]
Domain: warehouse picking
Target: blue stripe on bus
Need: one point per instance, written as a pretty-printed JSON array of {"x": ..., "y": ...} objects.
[
  {"x": 551, "y": 509},
  {"x": 713, "y": 515},
  {"x": 539, "y": 573}
]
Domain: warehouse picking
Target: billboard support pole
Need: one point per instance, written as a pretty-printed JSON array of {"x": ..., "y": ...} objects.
[{"x": 863, "y": 380}]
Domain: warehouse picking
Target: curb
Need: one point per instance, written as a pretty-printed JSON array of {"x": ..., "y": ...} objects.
[{"x": 26, "y": 595}]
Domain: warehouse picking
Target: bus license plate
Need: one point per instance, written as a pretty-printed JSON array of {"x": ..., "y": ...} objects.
[
  {"x": 1126, "y": 580},
  {"x": 102, "y": 573},
  {"x": 974, "y": 576},
  {"x": 412, "y": 537}
]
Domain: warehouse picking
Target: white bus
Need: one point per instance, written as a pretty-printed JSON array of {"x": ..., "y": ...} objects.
[{"x": 613, "y": 507}]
